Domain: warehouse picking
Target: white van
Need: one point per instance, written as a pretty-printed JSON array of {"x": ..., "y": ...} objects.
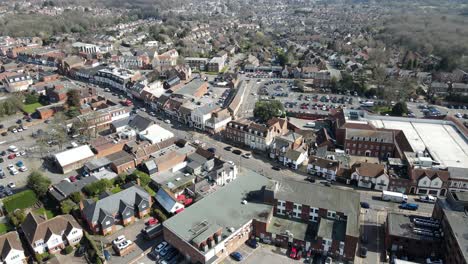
[{"x": 13, "y": 148}]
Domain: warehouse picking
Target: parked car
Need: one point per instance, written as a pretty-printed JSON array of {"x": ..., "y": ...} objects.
[
  {"x": 276, "y": 168},
  {"x": 237, "y": 256},
  {"x": 293, "y": 253},
  {"x": 152, "y": 221},
  {"x": 365, "y": 205},
  {"x": 107, "y": 255},
  {"x": 165, "y": 250},
  {"x": 363, "y": 252},
  {"x": 228, "y": 148},
  {"x": 160, "y": 247},
  {"x": 247, "y": 155},
  {"x": 252, "y": 243},
  {"x": 237, "y": 152},
  {"x": 118, "y": 240},
  {"x": 167, "y": 121},
  {"x": 212, "y": 150},
  {"x": 409, "y": 206},
  {"x": 73, "y": 178},
  {"x": 328, "y": 260},
  {"x": 23, "y": 168},
  {"x": 427, "y": 199}
]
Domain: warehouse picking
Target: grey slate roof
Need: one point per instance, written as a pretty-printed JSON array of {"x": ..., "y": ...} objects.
[
  {"x": 140, "y": 123},
  {"x": 94, "y": 211}
]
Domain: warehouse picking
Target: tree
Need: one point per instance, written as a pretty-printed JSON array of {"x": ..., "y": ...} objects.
[
  {"x": 399, "y": 109},
  {"x": 73, "y": 98},
  {"x": 66, "y": 206},
  {"x": 145, "y": 179},
  {"x": 38, "y": 183},
  {"x": 97, "y": 187},
  {"x": 76, "y": 197},
  {"x": 17, "y": 217},
  {"x": 68, "y": 249},
  {"x": 31, "y": 99},
  {"x": 282, "y": 58},
  {"x": 73, "y": 112},
  {"x": 299, "y": 84},
  {"x": 265, "y": 110},
  {"x": 160, "y": 215}
]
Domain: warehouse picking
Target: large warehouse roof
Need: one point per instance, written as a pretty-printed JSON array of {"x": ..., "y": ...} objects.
[
  {"x": 73, "y": 155},
  {"x": 443, "y": 140}
]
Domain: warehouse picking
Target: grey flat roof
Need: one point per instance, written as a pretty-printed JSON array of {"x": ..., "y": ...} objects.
[
  {"x": 400, "y": 225},
  {"x": 330, "y": 198},
  {"x": 458, "y": 223},
  {"x": 223, "y": 208},
  {"x": 281, "y": 226}
]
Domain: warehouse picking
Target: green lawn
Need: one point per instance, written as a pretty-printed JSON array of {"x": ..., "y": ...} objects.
[
  {"x": 21, "y": 200},
  {"x": 224, "y": 69},
  {"x": 4, "y": 228},
  {"x": 31, "y": 108},
  {"x": 42, "y": 210}
]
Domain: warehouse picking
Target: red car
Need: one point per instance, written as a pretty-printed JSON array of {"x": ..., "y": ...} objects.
[
  {"x": 152, "y": 221},
  {"x": 293, "y": 253},
  {"x": 73, "y": 178},
  {"x": 12, "y": 156}
]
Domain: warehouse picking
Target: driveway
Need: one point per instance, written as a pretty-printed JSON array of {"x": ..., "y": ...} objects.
[{"x": 133, "y": 233}]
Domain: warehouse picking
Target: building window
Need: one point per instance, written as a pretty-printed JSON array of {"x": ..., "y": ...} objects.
[
  {"x": 331, "y": 214},
  {"x": 279, "y": 211}
]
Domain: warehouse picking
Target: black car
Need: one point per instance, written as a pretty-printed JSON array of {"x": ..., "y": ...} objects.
[
  {"x": 19, "y": 121},
  {"x": 3, "y": 153},
  {"x": 212, "y": 150},
  {"x": 363, "y": 252},
  {"x": 228, "y": 148},
  {"x": 365, "y": 205},
  {"x": 276, "y": 168},
  {"x": 237, "y": 152}
]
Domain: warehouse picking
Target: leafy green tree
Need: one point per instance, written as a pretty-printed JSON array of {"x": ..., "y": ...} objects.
[
  {"x": 265, "y": 110},
  {"x": 97, "y": 187},
  {"x": 17, "y": 217},
  {"x": 73, "y": 98},
  {"x": 66, "y": 206},
  {"x": 38, "y": 183},
  {"x": 145, "y": 179},
  {"x": 31, "y": 99},
  {"x": 399, "y": 109},
  {"x": 68, "y": 249},
  {"x": 76, "y": 197}
]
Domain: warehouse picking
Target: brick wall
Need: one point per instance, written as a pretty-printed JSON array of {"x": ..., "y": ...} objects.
[{"x": 187, "y": 250}]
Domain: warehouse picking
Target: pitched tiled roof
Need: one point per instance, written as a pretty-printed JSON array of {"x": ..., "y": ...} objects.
[
  {"x": 36, "y": 227},
  {"x": 369, "y": 169},
  {"x": 8, "y": 242}
]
